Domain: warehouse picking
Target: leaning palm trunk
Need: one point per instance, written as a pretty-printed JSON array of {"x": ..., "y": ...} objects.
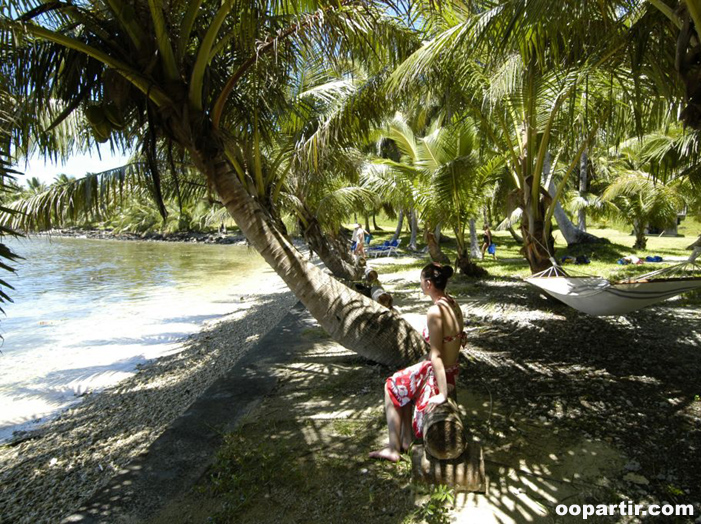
[
  {"x": 582, "y": 213},
  {"x": 518, "y": 238},
  {"x": 414, "y": 222},
  {"x": 353, "y": 320},
  {"x": 572, "y": 234},
  {"x": 400, "y": 222},
  {"x": 434, "y": 248},
  {"x": 474, "y": 244},
  {"x": 330, "y": 252}
]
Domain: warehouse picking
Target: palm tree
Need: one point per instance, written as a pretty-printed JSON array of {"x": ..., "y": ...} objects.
[
  {"x": 640, "y": 200},
  {"x": 35, "y": 186},
  {"x": 209, "y": 79},
  {"x": 530, "y": 70},
  {"x": 459, "y": 180},
  {"x": 437, "y": 175},
  {"x": 7, "y": 188},
  {"x": 395, "y": 176},
  {"x": 320, "y": 190},
  {"x": 649, "y": 180}
]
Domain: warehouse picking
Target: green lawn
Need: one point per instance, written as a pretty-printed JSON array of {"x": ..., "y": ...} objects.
[{"x": 603, "y": 257}]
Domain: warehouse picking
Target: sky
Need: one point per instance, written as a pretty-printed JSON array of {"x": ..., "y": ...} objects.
[{"x": 77, "y": 166}]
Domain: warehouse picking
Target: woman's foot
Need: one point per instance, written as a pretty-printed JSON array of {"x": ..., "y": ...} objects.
[{"x": 386, "y": 454}]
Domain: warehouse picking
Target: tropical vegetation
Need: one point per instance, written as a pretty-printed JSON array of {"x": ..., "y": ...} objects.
[{"x": 446, "y": 113}]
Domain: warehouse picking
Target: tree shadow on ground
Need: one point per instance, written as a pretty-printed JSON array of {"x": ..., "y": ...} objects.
[
  {"x": 302, "y": 456},
  {"x": 630, "y": 382}
]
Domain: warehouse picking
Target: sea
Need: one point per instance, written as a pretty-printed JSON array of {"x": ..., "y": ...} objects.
[{"x": 87, "y": 312}]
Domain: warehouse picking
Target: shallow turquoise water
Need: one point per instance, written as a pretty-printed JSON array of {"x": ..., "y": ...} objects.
[{"x": 86, "y": 312}]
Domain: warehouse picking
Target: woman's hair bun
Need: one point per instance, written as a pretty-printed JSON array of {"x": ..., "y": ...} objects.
[
  {"x": 437, "y": 274},
  {"x": 447, "y": 272}
]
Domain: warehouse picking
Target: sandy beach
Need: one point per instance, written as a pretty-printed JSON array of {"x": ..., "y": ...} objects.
[{"x": 47, "y": 473}]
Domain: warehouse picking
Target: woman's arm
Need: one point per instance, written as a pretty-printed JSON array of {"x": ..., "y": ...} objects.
[{"x": 435, "y": 333}]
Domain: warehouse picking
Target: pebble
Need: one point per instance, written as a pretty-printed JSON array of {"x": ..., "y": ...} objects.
[{"x": 636, "y": 479}]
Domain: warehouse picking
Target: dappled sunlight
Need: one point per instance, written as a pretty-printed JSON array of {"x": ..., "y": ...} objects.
[
  {"x": 598, "y": 380},
  {"x": 326, "y": 414}
]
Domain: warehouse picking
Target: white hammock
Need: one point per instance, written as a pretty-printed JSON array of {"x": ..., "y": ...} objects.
[{"x": 598, "y": 297}]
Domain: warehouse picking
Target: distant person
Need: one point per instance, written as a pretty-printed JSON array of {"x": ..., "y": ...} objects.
[
  {"x": 358, "y": 241},
  {"x": 371, "y": 277},
  {"x": 427, "y": 383},
  {"x": 368, "y": 283},
  {"x": 488, "y": 244}
]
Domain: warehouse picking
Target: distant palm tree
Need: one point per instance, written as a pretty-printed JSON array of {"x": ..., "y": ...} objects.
[
  {"x": 442, "y": 175},
  {"x": 638, "y": 191},
  {"x": 395, "y": 175},
  {"x": 542, "y": 77},
  {"x": 461, "y": 175},
  {"x": 62, "y": 179},
  {"x": 35, "y": 186},
  {"x": 640, "y": 200}
]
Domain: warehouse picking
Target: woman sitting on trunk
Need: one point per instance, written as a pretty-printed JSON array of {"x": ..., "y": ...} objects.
[{"x": 427, "y": 383}]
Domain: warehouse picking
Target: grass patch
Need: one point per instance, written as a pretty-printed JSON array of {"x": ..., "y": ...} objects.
[
  {"x": 510, "y": 263},
  {"x": 268, "y": 465}
]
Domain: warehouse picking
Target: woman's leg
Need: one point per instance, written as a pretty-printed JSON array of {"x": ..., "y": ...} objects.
[
  {"x": 407, "y": 432},
  {"x": 395, "y": 422}
]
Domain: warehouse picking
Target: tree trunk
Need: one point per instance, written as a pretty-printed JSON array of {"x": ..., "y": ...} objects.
[
  {"x": 639, "y": 232},
  {"x": 353, "y": 320},
  {"x": 375, "y": 227},
  {"x": 536, "y": 249},
  {"x": 330, "y": 253},
  {"x": 570, "y": 232},
  {"x": 475, "y": 250},
  {"x": 437, "y": 233},
  {"x": 413, "y": 220},
  {"x": 469, "y": 268},
  {"x": 434, "y": 248},
  {"x": 400, "y": 222},
  {"x": 518, "y": 238},
  {"x": 367, "y": 223},
  {"x": 582, "y": 213},
  {"x": 464, "y": 263}
]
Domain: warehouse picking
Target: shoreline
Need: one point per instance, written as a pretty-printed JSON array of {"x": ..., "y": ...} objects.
[
  {"x": 109, "y": 234},
  {"x": 50, "y": 471}
]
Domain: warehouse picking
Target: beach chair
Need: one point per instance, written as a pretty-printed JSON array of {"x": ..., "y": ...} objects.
[
  {"x": 393, "y": 246},
  {"x": 378, "y": 250}
]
